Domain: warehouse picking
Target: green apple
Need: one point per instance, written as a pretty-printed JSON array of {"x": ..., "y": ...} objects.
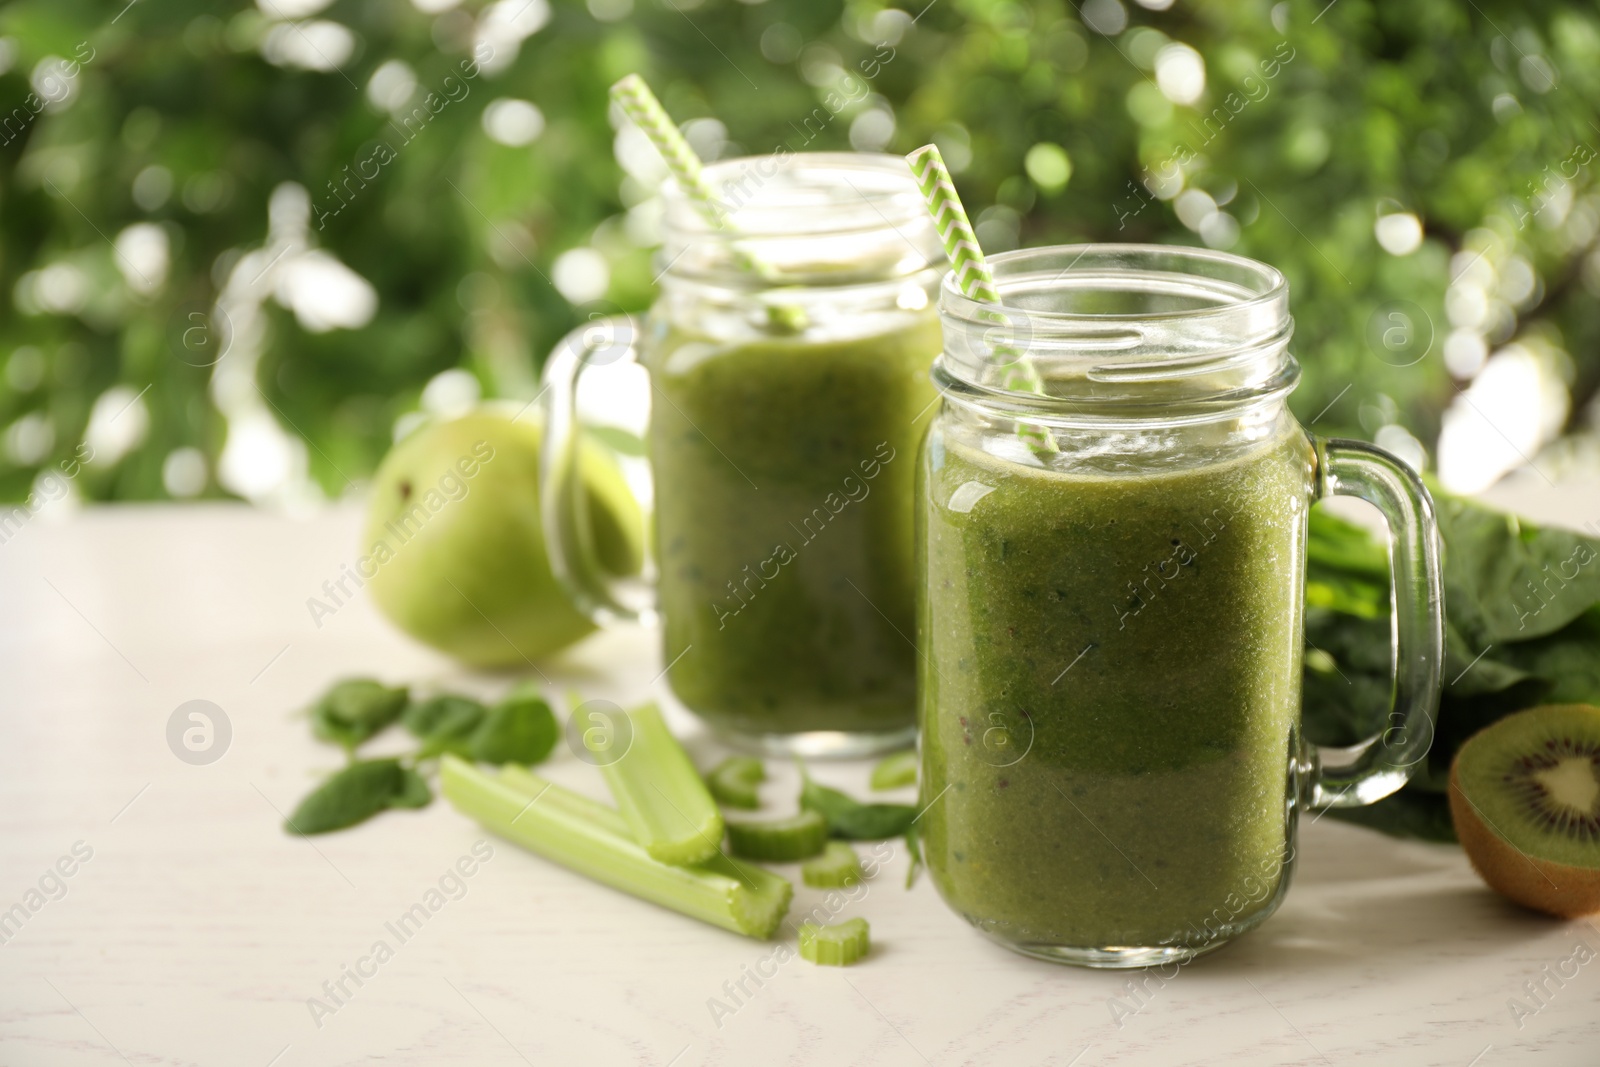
[{"x": 454, "y": 537}]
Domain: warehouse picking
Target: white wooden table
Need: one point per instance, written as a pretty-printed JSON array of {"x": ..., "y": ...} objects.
[{"x": 196, "y": 931}]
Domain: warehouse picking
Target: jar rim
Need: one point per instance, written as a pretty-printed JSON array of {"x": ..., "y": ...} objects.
[
  {"x": 778, "y": 194},
  {"x": 1008, "y": 266},
  {"x": 816, "y": 220},
  {"x": 1122, "y": 327}
]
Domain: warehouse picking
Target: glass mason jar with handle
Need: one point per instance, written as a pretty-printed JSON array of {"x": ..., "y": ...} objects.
[
  {"x": 1112, "y": 601},
  {"x": 788, "y": 356}
]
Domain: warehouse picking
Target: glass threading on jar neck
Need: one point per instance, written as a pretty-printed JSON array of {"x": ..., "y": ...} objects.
[{"x": 1121, "y": 334}]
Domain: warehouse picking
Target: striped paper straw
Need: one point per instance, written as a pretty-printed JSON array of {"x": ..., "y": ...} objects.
[
  {"x": 640, "y": 104},
  {"x": 972, "y": 273}
]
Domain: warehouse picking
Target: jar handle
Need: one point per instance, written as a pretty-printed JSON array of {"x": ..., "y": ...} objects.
[
  {"x": 563, "y": 500},
  {"x": 1353, "y": 468}
]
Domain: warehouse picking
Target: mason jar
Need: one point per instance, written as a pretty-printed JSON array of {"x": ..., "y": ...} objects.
[
  {"x": 1113, "y": 552},
  {"x": 788, "y": 354}
]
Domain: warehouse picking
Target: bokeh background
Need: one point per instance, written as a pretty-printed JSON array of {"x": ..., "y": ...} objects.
[{"x": 243, "y": 246}]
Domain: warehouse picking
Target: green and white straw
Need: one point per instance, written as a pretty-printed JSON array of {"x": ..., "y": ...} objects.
[
  {"x": 636, "y": 100},
  {"x": 973, "y": 276}
]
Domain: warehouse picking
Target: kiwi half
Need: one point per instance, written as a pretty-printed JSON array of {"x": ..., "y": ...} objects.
[{"x": 1525, "y": 798}]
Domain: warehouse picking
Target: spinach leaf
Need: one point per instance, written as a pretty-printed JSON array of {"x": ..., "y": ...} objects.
[
  {"x": 1407, "y": 813},
  {"x": 1502, "y": 654},
  {"x": 1569, "y": 660},
  {"x": 1346, "y": 677},
  {"x": 445, "y": 723},
  {"x": 1338, "y": 545},
  {"x": 355, "y": 709},
  {"x": 1508, "y": 580},
  {"x": 1470, "y": 673},
  {"x": 425, "y": 718},
  {"x": 357, "y": 793},
  {"x": 414, "y": 791},
  {"x": 520, "y": 729},
  {"x": 851, "y": 819}
]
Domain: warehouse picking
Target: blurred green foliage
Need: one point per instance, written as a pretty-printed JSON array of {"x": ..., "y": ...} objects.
[{"x": 1314, "y": 120}]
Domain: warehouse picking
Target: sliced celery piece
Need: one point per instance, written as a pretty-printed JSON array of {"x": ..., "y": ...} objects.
[
  {"x": 795, "y": 837},
  {"x": 733, "y": 782},
  {"x": 838, "y": 866},
  {"x": 663, "y": 798},
  {"x": 835, "y": 945},
  {"x": 895, "y": 770},
  {"x": 592, "y": 839}
]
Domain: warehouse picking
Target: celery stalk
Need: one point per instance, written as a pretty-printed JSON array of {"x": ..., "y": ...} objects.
[
  {"x": 592, "y": 839},
  {"x": 663, "y": 798}
]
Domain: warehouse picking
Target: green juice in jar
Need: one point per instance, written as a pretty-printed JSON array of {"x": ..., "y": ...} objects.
[
  {"x": 785, "y": 468},
  {"x": 1111, "y": 690}
]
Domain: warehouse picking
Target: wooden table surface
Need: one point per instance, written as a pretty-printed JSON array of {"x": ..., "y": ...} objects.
[{"x": 192, "y": 930}]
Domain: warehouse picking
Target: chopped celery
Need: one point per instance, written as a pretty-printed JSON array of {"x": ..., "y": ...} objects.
[
  {"x": 895, "y": 770},
  {"x": 785, "y": 840},
  {"x": 733, "y": 782},
  {"x": 836, "y": 945},
  {"x": 838, "y": 866},
  {"x": 592, "y": 839},
  {"x": 663, "y": 798}
]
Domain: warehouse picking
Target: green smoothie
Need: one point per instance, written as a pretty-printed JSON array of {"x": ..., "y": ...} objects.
[
  {"x": 1111, "y": 688},
  {"x": 784, "y": 470}
]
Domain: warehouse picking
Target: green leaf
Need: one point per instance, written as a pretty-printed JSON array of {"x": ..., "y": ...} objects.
[
  {"x": 425, "y": 718},
  {"x": 520, "y": 729},
  {"x": 445, "y": 723},
  {"x": 1347, "y": 569},
  {"x": 1469, "y": 672},
  {"x": 357, "y": 793},
  {"x": 1568, "y": 659},
  {"x": 852, "y": 820},
  {"x": 1408, "y": 813},
  {"x": 414, "y": 791},
  {"x": 1346, "y": 677},
  {"x": 1508, "y": 580},
  {"x": 326, "y": 728},
  {"x": 1359, "y": 598},
  {"x": 1339, "y": 545},
  {"x": 356, "y": 709}
]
